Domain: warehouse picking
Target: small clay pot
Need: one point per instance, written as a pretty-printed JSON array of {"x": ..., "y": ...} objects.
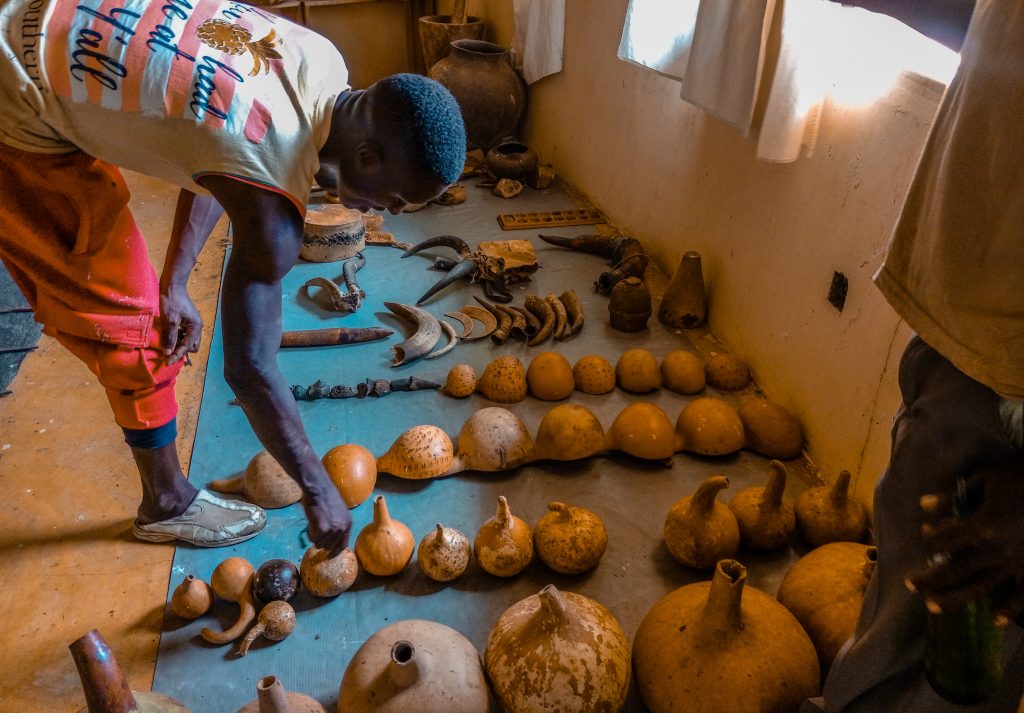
[
  {"x": 513, "y": 160},
  {"x": 630, "y": 305}
]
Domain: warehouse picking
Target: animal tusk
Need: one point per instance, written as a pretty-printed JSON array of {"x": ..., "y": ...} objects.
[
  {"x": 500, "y": 333},
  {"x": 428, "y": 331},
  {"x": 465, "y": 320},
  {"x": 532, "y": 322},
  {"x": 338, "y": 302},
  {"x": 573, "y": 309},
  {"x": 561, "y": 319},
  {"x": 462, "y": 269},
  {"x": 453, "y": 339},
  {"x": 543, "y": 312},
  {"x": 449, "y": 241},
  {"x": 518, "y": 320},
  {"x": 483, "y": 316}
]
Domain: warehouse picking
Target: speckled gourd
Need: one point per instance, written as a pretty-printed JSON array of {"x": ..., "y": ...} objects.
[
  {"x": 717, "y": 647},
  {"x": 558, "y": 652},
  {"x": 824, "y": 590},
  {"x": 503, "y": 380},
  {"x": 827, "y": 513},
  {"x": 570, "y": 539},
  {"x": 491, "y": 439},
  {"x": 324, "y": 575},
  {"x": 763, "y": 512},
  {"x": 420, "y": 452},
  {"x": 414, "y": 665},
  {"x": 568, "y": 432},
  {"x": 444, "y": 554},
  {"x": 504, "y": 544},
  {"x": 699, "y": 531}
]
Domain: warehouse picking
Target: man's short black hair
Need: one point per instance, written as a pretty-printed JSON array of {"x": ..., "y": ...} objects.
[{"x": 427, "y": 117}]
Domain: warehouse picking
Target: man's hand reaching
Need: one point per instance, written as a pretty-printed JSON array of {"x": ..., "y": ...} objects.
[
  {"x": 329, "y": 520},
  {"x": 182, "y": 327}
]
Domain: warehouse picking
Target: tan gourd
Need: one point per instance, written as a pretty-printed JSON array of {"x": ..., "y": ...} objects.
[
  {"x": 716, "y": 646},
  {"x": 325, "y": 576},
  {"x": 271, "y": 697},
  {"x": 558, "y": 651},
  {"x": 504, "y": 544},
  {"x": 275, "y": 622},
  {"x": 192, "y": 598},
  {"x": 503, "y": 380},
  {"x": 353, "y": 470},
  {"x": 232, "y": 581},
  {"x": 827, "y": 513},
  {"x": 710, "y": 427},
  {"x": 769, "y": 429},
  {"x": 764, "y": 514},
  {"x": 461, "y": 381},
  {"x": 568, "y": 432},
  {"x": 726, "y": 371},
  {"x": 643, "y": 430},
  {"x": 384, "y": 547},
  {"x": 593, "y": 374},
  {"x": 420, "y": 452},
  {"x": 682, "y": 372},
  {"x": 264, "y": 483},
  {"x": 414, "y": 666},
  {"x": 569, "y": 539},
  {"x": 824, "y": 590},
  {"x": 549, "y": 377},
  {"x": 490, "y": 440},
  {"x": 444, "y": 554},
  {"x": 699, "y": 530},
  {"x": 637, "y": 370}
]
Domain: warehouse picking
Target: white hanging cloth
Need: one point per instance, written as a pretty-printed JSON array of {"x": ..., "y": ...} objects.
[
  {"x": 539, "y": 35},
  {"x": 657, "y": 35}
]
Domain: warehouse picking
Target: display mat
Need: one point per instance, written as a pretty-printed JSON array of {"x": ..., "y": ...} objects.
[{"x": 630, "y": 495}]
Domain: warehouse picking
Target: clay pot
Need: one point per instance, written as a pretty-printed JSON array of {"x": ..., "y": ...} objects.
[
  {"x": 489, "y": 91},
  {"x": 630, "y": 305},
  {"x": 271, "y": 697},
  {"x": 105, "y": 686},
  {"x": 437, "y": 32},
  {"x": 513, "y": 160},
  {"x": 414, "y": 665},
  {"x": 558, "y": 651},
  {"x": 683, "y": 304},
  {"x": 699, "y": 530},
  {"x": 714, "y": 646}
]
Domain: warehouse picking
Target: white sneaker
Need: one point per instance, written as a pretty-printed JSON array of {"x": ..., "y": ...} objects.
[{"x": 208, "y": 522}]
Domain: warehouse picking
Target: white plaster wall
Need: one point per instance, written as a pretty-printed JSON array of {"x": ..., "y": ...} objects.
[{"x": 771, "y": 235}]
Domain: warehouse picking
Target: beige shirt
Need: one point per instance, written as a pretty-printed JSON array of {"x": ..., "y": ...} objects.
[{"x": 955, "y": 266}]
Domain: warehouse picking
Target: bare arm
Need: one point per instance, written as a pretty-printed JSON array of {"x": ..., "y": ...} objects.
[
  {"x": 267, "y": 232},
  {"x": 944, "y": 21},
  {"x": 194, "y": 219}
]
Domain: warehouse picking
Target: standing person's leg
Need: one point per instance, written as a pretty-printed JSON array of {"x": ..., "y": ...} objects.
[{"x": 70, "y": 242}]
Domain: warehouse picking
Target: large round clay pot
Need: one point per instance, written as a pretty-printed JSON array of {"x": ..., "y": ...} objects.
[
  {"x": 489, "y": 91},
  {"x": 437, "y": 32},
  {"x": 414, "y": 665}
]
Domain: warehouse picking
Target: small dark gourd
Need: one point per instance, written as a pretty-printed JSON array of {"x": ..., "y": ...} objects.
[{"x": 275, "y": 580}]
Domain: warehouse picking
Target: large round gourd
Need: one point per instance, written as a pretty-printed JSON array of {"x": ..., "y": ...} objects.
[
  {"x": 824, "y": 590},
  {"x": 353, "y": 470},
  {"x": 491, "y": 439},
  {"x": 699, "y": 530},
  {"x": 643, "y": 430},
  {"x": 264, "y": 483},
  {"x": 414, "y": 665},
  {"x": 549, "y": 377},
  {"x": 717, "y": 647},
  {"x": 769, "y": 429},
  {"x": 710, "y": 427},
  {"x": 570, "y": 539},
  {"x": 558, "y": 652},
  {"x": 503, "y": 380},
  {"x": 420, "y": 452},
  {"x": 568, "y": 432}
]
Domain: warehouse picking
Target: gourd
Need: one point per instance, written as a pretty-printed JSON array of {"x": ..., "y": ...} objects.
[
  {"x": 769, "y": 429},
  {"x": 444, "y": 554},
  {"x": 726, "y": 371},
  {"x": 682, "y": 372},
  {"x": 765, "y": 516},
  {"x": 192, "y": 598},
  {"x": 699, "y": 531},
  {"x": 271, "y": 697},
  {"x": 275, "y": 580},
  {"x": 414, "y": 666},
  {"x": 420, "y": 452},
  {"x": 232, "y": 581},
  {"x": 593, "y": 374},
  {"x": 558, "y": 651},
  {"x": 569, "y": 539},
  {"x": 503, "y": 380},
  {"x": 549, "y": 377},
  {"x": 504, "y": 544},
  {"x": 325, "y": 576},
  {"x": 492, "y": 439},
  {"x": 276, "y": 622},
  {"x": 637, "y": 371},
  {"x": 384, "y": 547},
  {"x": 264, "y": 483},
  {"x": 826, "y": 513},
  {"x": 353, "y": 470},
  {"x": 824, "y": 590},
  {"x": 716, "y": 646},
  {"x": 643, "y": 430},
  {"x": 710, "y": 427},
  {"x": 568, "y": 432},
  {"x": 461, "y": 381}
]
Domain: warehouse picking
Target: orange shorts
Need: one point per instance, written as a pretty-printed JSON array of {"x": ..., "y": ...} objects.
[{"x": 72, "y": 246}]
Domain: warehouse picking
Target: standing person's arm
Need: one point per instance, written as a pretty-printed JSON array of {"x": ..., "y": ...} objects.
[
  {"x": 267, "y": 235},
  {"x": 944, "y": 21},
  {"x": 194, "y": 219}
]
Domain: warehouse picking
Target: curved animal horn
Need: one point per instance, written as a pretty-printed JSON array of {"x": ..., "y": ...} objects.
[
  {"x": 465, "y": 320},
  {"x": 633, "y": 266},
  {"x": 453, "y": 339},
  {"x": 428, "y": 331},
  {"x": 449, "y": 241},
  {"x": 602, "y": 245},
  {"x": 483, "y": 316},
  {"x": 462, "y": 269}
]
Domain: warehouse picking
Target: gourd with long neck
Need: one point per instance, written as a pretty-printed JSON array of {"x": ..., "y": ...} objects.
[
  {"x": 827, "y": 513},
  {"x": 699, "y": 530},
  {"x": 765, "y": 516},
  {"x": 384, "y": 546},
  {"x": 271, "y": 697}
]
